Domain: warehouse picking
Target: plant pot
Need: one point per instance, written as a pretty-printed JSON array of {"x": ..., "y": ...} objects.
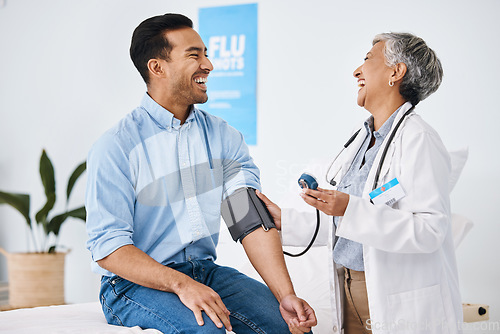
[{"x": 35, "y": 279}]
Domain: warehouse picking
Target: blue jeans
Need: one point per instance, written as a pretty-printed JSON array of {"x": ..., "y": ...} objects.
[{"x": 253, "y": 307}]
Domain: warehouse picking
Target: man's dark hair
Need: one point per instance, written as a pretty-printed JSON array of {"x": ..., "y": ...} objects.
[{"x": 149, "y": 41}]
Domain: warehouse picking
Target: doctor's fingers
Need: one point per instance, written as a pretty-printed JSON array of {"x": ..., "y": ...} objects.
[
  {"x": 273, "y": 209},
  {"x": 309, "y": 198},
  {"x": 319, "y": 194},
  {"x": 269, "y": 204},
  {"x": 332, "y": 205},
  {"x": 326, "y": 191}
]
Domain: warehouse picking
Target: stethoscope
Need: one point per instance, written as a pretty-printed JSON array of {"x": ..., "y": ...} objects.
[
  {"x": 308, "y": 181},
  {"x": 332, "y": 181}
]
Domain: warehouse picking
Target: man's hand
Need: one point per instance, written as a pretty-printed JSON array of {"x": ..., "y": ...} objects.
[
  {"x": 297, "y": 313},
  {"x": 198, "y": 297},
  {"x": 136, "y": 266}
]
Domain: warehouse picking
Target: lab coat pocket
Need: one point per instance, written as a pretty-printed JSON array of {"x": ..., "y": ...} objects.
[{"x": 417, "y": 311}]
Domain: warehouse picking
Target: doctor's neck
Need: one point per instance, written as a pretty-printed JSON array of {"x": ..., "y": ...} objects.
[{"x": 384, "y": 109}]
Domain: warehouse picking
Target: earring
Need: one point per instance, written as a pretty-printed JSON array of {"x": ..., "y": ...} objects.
[{"x": 391, "y": 83}]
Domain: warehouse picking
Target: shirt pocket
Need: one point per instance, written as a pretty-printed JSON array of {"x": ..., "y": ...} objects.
[
  {"x": 209, "y": 194},
  {"x": 417, "y": 311},
  {"x": 208, "y": 177}
]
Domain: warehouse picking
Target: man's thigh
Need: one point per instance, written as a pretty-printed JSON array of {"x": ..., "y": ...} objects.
[
  {"x": 128, "y": 304},
  {"x": 253, "y": 307}
]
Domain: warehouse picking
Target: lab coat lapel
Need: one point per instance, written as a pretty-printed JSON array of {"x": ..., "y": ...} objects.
[{"x": 390, "y": 152}]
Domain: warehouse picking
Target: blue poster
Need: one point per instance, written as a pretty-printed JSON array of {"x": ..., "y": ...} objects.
[{"x": 230, "y": 34}]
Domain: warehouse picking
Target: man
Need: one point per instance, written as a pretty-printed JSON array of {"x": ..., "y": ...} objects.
[{"x": 155, "y": 184}]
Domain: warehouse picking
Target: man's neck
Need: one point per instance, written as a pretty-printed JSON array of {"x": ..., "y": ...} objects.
[{"x": 180, "y": 111}]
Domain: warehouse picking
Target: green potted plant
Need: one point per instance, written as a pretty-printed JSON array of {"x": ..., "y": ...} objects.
[{"x": 37, "y": 278}]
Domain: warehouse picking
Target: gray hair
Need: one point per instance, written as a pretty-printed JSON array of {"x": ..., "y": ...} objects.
[{"x": 424, "y": 72}]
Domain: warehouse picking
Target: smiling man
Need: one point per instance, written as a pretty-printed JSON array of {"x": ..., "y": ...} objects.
[{"x": 155, "y": 185}]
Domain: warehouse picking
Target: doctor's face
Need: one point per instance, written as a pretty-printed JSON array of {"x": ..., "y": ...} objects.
[{"x": 373, "y": 78}]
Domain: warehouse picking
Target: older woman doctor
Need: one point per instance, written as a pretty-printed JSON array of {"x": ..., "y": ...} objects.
[{"x": 398, "y": 259}]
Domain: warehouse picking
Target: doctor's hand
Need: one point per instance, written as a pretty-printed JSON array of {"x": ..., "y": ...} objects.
[
  {"x": 331, "y": 202},
  {"x": 297, "y": 313},
  {"x": 273, "y": 209}
]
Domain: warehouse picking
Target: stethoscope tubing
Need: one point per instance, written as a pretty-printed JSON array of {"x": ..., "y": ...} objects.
[
  {"x": 333, "y": 182},
  {"x": 382, "y": 158}
]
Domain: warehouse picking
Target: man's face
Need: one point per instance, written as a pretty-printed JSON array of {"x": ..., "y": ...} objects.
[{"x": 187, "y": 68}]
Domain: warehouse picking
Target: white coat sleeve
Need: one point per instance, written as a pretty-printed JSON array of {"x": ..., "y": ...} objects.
[
  {"x": 421, "y": 220},
  {"x": 297, "y": 228}
]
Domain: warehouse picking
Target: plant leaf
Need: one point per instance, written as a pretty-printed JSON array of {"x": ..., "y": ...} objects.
[
  {"x": 41, "y": 216},
  {"x": 47, "y": 174},
  {"x": 72, "y": 180},
  {"x": 20, "y": 202},
  {"x": 49, "y": 184},
  {"x": 79, "y": 213},
  {"x": 55, "y": 223}
]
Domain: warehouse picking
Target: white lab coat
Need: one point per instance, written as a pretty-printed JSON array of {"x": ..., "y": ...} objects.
[{"x": 409, "y": 257}]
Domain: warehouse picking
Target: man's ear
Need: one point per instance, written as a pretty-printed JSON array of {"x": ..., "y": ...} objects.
[
  {"x": 155, "y": 68},
  {"x": 399, "y": 72}
]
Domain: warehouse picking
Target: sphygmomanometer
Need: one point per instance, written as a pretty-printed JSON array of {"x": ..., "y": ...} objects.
[{"x": 244, "y": 212}]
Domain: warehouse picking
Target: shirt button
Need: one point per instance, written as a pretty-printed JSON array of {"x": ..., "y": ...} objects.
[{"x": 334, "y": 328}]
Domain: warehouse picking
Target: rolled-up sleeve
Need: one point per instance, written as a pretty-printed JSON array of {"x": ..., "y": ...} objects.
[
  {"x": 109, "y": 198},
  {"x": 239, "y": 168}
]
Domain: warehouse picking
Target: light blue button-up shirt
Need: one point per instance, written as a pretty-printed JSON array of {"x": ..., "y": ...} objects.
[
  {"x": 158, "y": 185},
  {"x": 347, "y": 252}
]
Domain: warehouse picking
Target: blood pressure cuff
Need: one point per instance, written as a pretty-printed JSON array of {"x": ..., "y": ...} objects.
[{"x": 244, "y": 212}]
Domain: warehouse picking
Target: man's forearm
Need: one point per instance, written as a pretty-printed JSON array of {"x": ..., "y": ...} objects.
[
  {"x": 264, "y": 250},
  {"x": 132, "y": 264}
]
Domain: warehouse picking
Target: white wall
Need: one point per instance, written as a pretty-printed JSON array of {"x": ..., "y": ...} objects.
[{"x": 65, "y": 77}]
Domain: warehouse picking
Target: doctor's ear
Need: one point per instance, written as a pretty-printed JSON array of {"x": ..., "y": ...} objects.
[
  {"x": 155, "y": 68},
  {"x": 399, "y": 71}
]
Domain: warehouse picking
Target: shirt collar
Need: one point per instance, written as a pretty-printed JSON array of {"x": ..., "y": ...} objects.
[
  {"x": 162, "y": 116},
  {"x": 384, "y": 129}
]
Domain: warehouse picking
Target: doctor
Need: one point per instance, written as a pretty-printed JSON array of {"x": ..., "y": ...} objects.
[{"x": 395, "y": 261}]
